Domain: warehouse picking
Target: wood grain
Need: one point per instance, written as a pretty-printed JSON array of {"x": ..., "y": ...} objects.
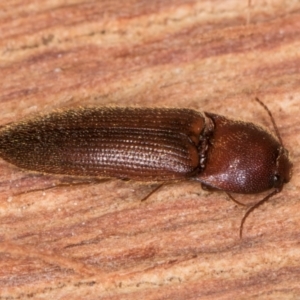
[{"x": 63, "y": 239}]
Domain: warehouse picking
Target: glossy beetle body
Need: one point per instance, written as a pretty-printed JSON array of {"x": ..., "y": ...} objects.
[
  {"x": 126, "y": 143},
  {"x": 158, "y": 144},
  {"x": 244, "y": 158}
]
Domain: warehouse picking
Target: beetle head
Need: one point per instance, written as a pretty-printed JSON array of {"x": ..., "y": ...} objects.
[{"x": 244, "y": 158}]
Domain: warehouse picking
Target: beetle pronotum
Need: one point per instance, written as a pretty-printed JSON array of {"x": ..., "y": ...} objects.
[{"x": 159, "y": 144}]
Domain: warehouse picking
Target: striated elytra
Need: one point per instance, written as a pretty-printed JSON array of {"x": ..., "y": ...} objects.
[{"x": 159, "y": 144}]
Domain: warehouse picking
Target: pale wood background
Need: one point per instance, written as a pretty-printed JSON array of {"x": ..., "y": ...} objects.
[{"x": 99, "y": 241}]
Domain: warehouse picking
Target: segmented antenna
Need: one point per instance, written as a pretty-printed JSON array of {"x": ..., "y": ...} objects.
[{"x": 272, "y": 119}]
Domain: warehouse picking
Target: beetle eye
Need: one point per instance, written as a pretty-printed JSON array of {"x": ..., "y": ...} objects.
[{"x": 276, "y": 180}]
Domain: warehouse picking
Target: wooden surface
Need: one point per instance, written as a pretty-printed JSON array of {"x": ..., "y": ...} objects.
[{"x": 99, "y": 241}]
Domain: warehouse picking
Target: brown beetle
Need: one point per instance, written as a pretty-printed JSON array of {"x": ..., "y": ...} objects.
[{"x": 159, "y": 144}]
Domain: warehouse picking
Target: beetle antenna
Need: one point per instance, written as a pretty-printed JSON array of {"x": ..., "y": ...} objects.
[
  {"x": 253, "y": 207},
  {"x": 272, "y": 119}
]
